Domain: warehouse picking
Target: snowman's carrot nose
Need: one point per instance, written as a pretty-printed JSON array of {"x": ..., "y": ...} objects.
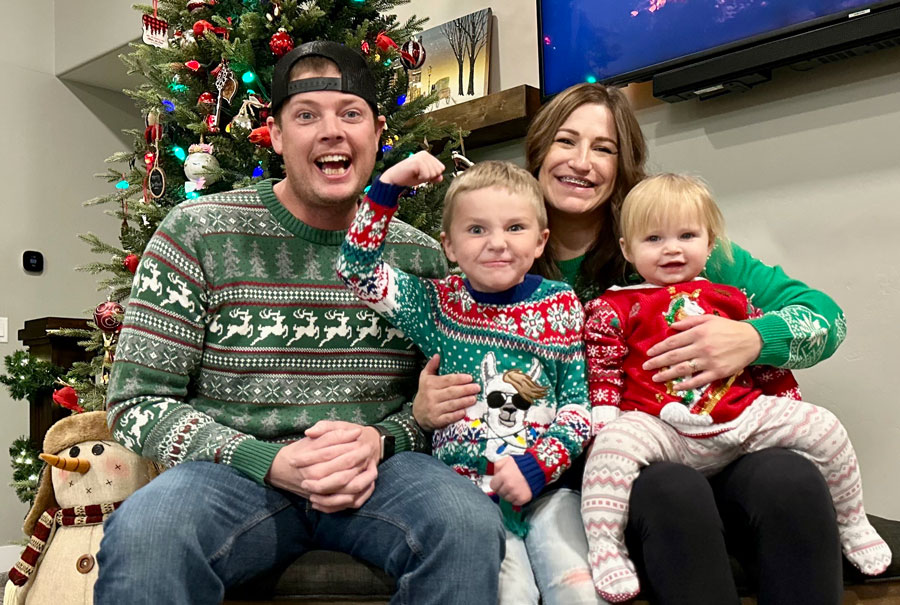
[{"x": 79, "y": 465}]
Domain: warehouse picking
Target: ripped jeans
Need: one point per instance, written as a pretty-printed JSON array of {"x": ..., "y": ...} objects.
[{"x": 551, "y": 561}]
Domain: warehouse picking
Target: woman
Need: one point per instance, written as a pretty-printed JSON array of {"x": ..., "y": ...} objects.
[{"x": 770, "y": 509}]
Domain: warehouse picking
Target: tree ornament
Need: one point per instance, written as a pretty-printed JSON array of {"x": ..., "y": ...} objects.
[
  {"x": 108, "y": 316},
  {"x": 273, "y": 9},
  {"x": 227, "y": 85},
  {"x": 193, "y": 65},
  {"x": 155, "y": 30},
  {"x": 130, "y": 262},
  {"x": 281, "y": 43},
  {"x": 195, "y": 6},
  {"x": 200, "y": 167},
  {"x": 67, "y": 397},
  {"x": 412, "y": 54},
  {"x": 365, "y": 47},
  {"x": 261, "y": 136},
  {"x": 384, "y": 43},
  {"x": 206, "y": 102},
  {"x": 202, "y": 26}
]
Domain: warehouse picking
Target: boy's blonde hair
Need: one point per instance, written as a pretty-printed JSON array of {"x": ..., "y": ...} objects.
[
  {"x": 667, "y": 196},
  {"x": 504, "y": 175}
]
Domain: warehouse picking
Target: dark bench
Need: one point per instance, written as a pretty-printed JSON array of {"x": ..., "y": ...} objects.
[{"x": 320, "y": 578}]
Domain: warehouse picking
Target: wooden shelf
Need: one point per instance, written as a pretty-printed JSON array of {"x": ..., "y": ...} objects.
[{"x": 494, "y": 118}]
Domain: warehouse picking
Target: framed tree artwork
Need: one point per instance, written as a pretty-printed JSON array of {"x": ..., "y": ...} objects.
[{"x": 452, "y": 60}]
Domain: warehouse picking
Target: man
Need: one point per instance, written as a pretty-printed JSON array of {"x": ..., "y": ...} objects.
[{"x": 278, "y": 400}]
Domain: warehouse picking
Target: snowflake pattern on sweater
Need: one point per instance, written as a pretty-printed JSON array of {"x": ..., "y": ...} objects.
[
  {"x": 238, "y": 337},
  {"x": 524, "y": 346}
]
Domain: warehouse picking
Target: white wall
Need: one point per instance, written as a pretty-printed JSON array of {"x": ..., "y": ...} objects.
[
  {"x": 807, "y": 171},
  {"x": 52, "y": 144}
]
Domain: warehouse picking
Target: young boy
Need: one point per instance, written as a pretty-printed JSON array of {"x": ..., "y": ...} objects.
[
  {"x": 669, "y": 225},
  {"x": 519, "y": 335}
]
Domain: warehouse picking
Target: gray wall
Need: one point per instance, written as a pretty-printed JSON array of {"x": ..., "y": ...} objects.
[
  {"x": 807, "y": 171},
  {"x": 54, "y": 139}
]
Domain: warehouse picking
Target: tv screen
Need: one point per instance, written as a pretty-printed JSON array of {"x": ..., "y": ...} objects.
[{"x": 620, "y": 41}]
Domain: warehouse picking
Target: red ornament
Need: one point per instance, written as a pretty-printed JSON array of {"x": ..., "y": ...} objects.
[
  {"x": 383, "y": 42},
  {"x": 260, "y": 136},
  {"x": 68, "y": 398},
  {"x": 149, "y": 158},
  {"x": 108, "y": 316},
  {"x": 197, "y": 5},
  {"x": 202, "y": 26},
  {"x": 365, "y": 47},
  {"x": 206, "y": 102},
  {"x": 412, "y": 54},
  {"x": 281, "y": 43},
  {"x": 130, "y": 262},
  {"x": 193, "y": 64},
  {"x": 211, "y": 123}
]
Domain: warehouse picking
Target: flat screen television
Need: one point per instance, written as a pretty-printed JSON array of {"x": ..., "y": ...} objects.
[{"x": 701, "y": 48}]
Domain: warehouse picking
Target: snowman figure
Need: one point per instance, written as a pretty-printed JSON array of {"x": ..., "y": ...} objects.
[{"x": 87, "y": 477}]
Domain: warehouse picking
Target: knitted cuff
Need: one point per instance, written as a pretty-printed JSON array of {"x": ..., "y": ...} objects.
[
  {"x": 384, "y": 194},
  {"x": 403, "y": 440},
  {"x": 532, "y": 471},
  {"x": 254, "y": 458},
  {"x": 776, "y": 340}
]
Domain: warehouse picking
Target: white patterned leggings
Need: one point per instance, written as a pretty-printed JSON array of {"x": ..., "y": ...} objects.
[{"x": 637, "y": 439}]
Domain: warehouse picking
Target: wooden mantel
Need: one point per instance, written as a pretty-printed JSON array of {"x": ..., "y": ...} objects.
[{"x": 495, "y": 118}]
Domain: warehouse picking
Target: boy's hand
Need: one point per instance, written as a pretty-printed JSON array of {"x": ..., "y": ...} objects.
[
  {"x": 509, "y": 483},
  {"x": 420, "y": 168}
]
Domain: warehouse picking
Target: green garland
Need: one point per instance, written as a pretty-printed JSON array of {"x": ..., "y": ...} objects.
[
  {"x": 29, "y": 376},
  {"x": 23, "y": 458}
]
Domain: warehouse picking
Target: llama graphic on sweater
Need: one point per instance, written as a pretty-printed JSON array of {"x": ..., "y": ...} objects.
[{"x": 507, "y": 397}]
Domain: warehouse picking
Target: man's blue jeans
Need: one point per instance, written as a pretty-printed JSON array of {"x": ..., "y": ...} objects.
[{"x": 201, "y": 528}]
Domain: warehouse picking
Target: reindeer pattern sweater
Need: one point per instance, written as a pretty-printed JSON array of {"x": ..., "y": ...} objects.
[
  {"x": 523, "y": 346},
  {"x": 238, "y": 337}
]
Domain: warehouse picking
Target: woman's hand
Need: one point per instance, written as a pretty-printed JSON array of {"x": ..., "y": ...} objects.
[
  {"x": 706, "y": 348},
  {"x": 442, "y": 400}
]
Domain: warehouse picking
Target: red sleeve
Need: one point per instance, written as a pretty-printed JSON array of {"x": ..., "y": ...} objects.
[{"x": 606, "y": 350}]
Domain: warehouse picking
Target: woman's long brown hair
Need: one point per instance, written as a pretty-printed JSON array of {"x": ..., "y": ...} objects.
[{"x": 603, "y": 263}]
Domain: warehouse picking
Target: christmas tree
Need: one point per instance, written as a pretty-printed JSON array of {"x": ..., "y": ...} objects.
[{"x": 207, "y": 66}]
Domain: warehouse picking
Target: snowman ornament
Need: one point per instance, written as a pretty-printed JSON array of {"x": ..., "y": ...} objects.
[{"x": 87, "y": 477}]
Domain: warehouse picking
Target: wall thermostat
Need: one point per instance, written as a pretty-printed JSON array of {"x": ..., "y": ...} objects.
[{"x": 33, "y": 261}]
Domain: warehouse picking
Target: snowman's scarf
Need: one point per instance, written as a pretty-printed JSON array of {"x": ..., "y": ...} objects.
[{"x": 46, "y": 527}]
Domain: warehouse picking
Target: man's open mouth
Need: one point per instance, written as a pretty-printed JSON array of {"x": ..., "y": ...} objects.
[{"x": 334, "y": 164}]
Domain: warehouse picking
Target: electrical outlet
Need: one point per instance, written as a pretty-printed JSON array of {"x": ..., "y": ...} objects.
[{"x": 4, "y": 329}]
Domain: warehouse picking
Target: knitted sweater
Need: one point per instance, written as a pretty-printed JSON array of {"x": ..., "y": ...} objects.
[
  {"x": 793, "y": 313},
  {"x": 624, "y": 323},
  {"x": 523, "y": 345},
  {"x": 238, "y": 337}
]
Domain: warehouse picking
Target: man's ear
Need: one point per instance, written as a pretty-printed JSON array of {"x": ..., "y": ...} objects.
[
  {"x": 274, "y": 134},
  {"x": 380, "y": 123},
  {"x": 448, "y": 247},
  {"x": 624, "y": 248}
]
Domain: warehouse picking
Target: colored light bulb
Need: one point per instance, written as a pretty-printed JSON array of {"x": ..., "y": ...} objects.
[{"x": 179, "y": 153}]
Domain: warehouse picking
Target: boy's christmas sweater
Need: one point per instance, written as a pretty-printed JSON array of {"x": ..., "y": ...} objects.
[
  {"x": 523, "y": 346},
  {"x": 238, "y": 337},
  {"x": 624, "y": 323}
]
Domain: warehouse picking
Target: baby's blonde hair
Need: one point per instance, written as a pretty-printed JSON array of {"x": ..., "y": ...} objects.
[
  {"x": 504, "y": 175},
  {"x": 668, "y": 196}
]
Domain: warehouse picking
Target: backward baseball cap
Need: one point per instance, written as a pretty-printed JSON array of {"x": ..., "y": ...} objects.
[{"x": 356, "y": 79}]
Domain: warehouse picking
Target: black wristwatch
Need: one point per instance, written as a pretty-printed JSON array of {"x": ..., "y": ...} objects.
[{"x": 387, "y": 442}]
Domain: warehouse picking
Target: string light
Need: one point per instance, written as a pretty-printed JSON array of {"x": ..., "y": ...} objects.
[
  {"x": 386, "y": 148},
  {"x": 123, "y": 184},
  {"x": 401, "y": 99},
  {"x": 257, "y": 172},
  {"x": 591, "y": 80},
  {"x": 179, "y": 153},
  {"x": 169, "y": 105},
  {"x": 248, "y": 77},
  {"x": 192, "y": 195}
]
